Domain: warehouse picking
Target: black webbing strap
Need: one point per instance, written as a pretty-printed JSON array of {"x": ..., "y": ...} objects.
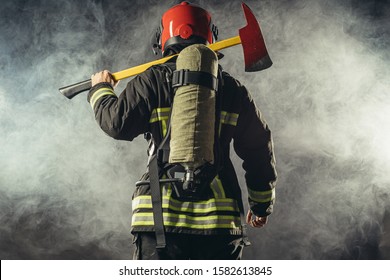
[
  {"x": 157, "y": 203},
  {"x": 161, "y": 155},
  {"x": 185, "y": 77},
  {"x": 244, "y": 230}
]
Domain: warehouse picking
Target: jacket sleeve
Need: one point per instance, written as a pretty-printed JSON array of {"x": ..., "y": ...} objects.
[
  {"x": 253, "y": 144},
  {"x": 126, "y": 116}
]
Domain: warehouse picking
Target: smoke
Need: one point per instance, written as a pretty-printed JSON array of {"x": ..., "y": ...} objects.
[
  {"x": 326, "y": 100},
  {"x": 65, "y": 187}
]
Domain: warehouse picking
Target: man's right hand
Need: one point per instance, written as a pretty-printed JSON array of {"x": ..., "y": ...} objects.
[
  {"x": 256, "y": 221},
  {"x": 103, "y": 77}
]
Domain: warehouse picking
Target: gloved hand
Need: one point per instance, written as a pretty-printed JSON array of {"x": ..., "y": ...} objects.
[
  {"x": 103, "y": 77},
  {"x": 255, "y": 221}
]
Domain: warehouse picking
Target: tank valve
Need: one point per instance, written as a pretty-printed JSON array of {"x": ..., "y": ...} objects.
[{"x": 188, "y": 184}]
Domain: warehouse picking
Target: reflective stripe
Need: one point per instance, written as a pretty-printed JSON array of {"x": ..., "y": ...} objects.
[
  {"x": 199, "y": 207},
  {"x": 190, "y": 214},
  {"x": 229, "y": 118},
  {"x": 217, "y": 188},
  {"x": 261, "y": 196},
  {"x": 164, "y": 128},
  {"x": 166, "y": 188},
  {"x": 100, "y": 93},
  {"x": 181, "y": 220},
  {"x": 161, "y": 114}
]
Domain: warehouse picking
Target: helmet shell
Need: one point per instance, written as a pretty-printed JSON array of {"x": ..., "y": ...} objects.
[{"x": 183, "y": 22}]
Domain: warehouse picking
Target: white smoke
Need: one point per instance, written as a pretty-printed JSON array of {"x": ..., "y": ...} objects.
[{"x": 326, "y": 101}]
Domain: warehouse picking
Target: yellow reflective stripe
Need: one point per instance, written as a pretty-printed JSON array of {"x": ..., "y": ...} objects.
[
  {"x": 166, "y": 189},
  {"x": 198, "y": 204},
  {"x": 261, "y": 196},
  {"x": 207, "y": 206},
  {"x": 164, "y": 127},
  {"x": 100, "y": 93},
  {"x": 183, "y": 209},
  {"x": 181, "y": 220},
  {"x": 160, "y": 114},
  {"x": 206, "y": 219},
  {"x": 229, "y": 118},
  {"x": 217, "y": 188}
]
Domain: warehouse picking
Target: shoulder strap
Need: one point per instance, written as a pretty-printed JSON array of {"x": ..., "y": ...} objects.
[
  {"x": 155, "y": 189},
  {"x": 156, "y": 203}
]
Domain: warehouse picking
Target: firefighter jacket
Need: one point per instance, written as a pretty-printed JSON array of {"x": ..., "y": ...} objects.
[{"x": 144, "y": 107}]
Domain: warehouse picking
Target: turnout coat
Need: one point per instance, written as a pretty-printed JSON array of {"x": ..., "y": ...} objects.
[{"x": 144, "y": 108}]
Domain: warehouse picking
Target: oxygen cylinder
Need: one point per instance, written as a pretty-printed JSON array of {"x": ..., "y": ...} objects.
[{"x": 193, "y": 112}]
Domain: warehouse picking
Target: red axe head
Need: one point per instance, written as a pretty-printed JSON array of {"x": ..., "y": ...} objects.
[{"x": 255, "y": 52}]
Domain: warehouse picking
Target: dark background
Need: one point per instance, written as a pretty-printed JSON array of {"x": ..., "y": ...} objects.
[{"x": 65, "y": 187}]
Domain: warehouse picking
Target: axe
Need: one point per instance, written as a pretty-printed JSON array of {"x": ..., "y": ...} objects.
[{"x": 255, "y": 54}]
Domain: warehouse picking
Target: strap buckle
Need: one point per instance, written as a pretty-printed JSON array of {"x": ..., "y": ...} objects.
[{"x": 178, "y": 78}]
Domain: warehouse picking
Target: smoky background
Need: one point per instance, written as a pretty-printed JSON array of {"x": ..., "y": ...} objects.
[{"x": 65, "y": 187}]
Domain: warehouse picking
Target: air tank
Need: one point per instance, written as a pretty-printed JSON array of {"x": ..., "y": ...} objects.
[{"x": 193, "y": 112}]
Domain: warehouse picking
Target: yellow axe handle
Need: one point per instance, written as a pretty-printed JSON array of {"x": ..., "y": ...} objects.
[
  {"x": 72, "y": 90},
  {"x": 225, "y": 43},
  {"x": 141, "y": 68}
]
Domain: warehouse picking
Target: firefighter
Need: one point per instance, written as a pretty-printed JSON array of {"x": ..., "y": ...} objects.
[{"x": 210, "y": 228}]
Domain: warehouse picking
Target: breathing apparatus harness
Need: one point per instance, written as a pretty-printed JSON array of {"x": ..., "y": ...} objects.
[{"x": 189, "y": 185}]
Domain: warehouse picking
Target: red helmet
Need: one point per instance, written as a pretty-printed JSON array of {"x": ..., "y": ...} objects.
[{"x": 185, "y": 24}]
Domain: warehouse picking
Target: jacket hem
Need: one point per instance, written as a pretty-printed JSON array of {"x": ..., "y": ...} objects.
[{"x": 217, "y": 231}]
